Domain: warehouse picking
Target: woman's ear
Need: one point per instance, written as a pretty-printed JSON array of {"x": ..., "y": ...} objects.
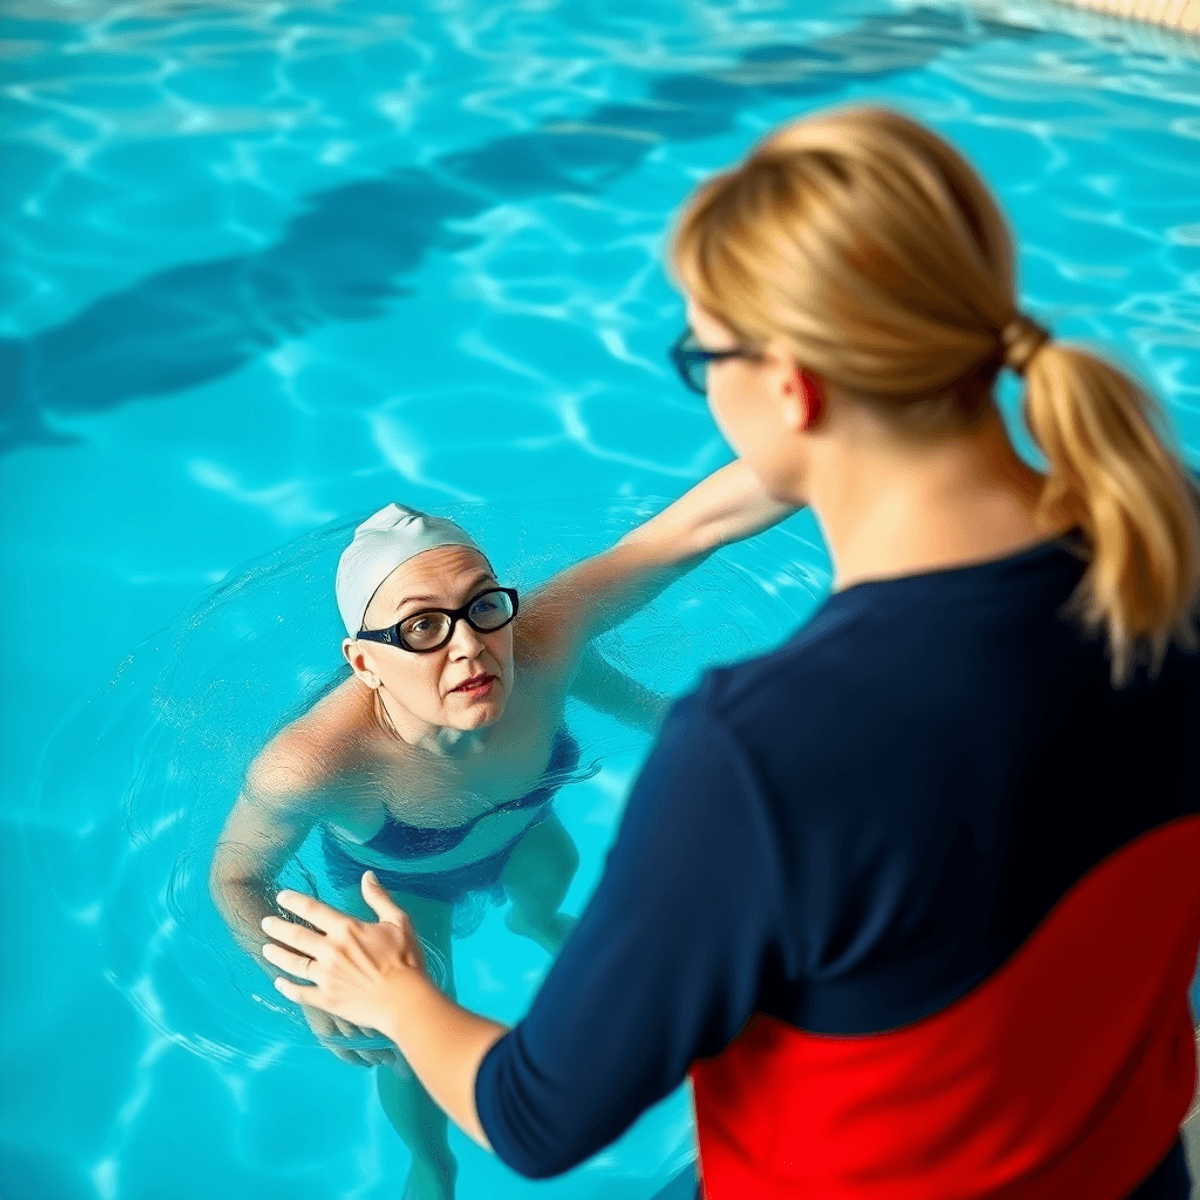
[
  {"x": 360, "y": 662},
  {"x": 803, "y": 400}
]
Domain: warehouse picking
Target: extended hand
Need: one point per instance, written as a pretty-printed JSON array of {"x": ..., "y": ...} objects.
[{"x": 351, "y": 968}]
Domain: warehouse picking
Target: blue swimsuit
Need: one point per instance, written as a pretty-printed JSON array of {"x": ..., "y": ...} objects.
[{"x": 400, "y": 840}]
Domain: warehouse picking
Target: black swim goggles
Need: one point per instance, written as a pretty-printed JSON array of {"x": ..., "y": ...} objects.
[{"x": 431, "y": 628}]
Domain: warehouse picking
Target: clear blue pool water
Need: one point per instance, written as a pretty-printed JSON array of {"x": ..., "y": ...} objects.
[{"x": 268, "y": 266}]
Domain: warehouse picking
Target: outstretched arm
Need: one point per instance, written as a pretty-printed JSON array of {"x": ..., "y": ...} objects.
[{"x": 600, "y": 592}]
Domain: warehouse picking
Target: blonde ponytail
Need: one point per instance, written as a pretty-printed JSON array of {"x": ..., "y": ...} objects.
[
  {"x": 1113, "y": 475},
  {"x": 870, "y": 247}
]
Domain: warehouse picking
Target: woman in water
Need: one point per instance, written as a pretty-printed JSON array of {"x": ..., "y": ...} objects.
[
  {"x": 435, "y": 762},
  {"x": 914, "y": 898}
]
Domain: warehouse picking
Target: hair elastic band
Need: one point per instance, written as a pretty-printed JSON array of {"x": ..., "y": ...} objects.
[{"x": 1022, "y": 339}]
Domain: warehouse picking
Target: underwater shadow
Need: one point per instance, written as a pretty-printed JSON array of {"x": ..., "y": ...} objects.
[{"x": 340, "y": 258}]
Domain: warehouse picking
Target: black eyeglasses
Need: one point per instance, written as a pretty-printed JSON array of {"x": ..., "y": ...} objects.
[
  {"x": 431, "y": 628},
  {"x": 692, "y": 360}
]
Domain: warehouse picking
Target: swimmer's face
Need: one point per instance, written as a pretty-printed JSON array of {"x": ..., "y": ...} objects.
[
  {"x": 428, "y": 688},
  {"x": 760, "y": 405}
]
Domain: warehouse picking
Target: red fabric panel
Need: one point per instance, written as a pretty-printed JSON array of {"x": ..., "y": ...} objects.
[{"x": 1065, "y": 1073}]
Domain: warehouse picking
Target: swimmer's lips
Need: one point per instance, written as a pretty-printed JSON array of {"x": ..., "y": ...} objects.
[{"x": 477, "y": 685}]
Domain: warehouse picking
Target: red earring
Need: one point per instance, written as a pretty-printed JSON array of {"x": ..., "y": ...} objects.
[{"x": 810, "y": 389}]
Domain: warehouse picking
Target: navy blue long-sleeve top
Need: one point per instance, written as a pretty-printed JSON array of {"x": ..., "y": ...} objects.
[{"x": 846, "y": 836}]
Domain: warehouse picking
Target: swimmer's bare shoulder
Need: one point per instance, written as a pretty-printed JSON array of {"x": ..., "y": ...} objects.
[
  {"x": 545, "y": 662},
  {"x": 282, "y": 796},
  {"x": 550, "y": 637},
  {"x": 294, "y": 782},
  {"x": 312, "y": 760},
  {"x": 556, "y": 660},
  {"x": 536, "y": 653}
]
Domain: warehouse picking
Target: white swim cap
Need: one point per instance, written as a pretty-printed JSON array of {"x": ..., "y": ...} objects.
[{"x": 381, "y": 543}]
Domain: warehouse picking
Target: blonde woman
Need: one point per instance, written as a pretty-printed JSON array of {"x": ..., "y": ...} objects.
[{"x": 914, "y": 899}]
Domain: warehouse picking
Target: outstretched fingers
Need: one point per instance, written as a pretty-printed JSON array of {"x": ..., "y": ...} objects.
[
  {"x": 390, "y": 913},
  {"x": 381, "y": 904}
]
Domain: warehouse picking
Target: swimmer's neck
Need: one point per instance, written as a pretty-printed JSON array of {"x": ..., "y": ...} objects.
[{"x": 441, "y": 740}]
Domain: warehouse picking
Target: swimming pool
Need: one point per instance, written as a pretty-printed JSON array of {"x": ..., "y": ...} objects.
[{"x": 270, "y": 266}]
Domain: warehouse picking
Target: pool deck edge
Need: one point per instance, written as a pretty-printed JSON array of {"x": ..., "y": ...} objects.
[{"x": 1180, "y": 15}]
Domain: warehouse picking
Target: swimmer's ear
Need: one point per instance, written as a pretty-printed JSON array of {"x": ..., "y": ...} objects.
[{"x": 355, "y": 653}]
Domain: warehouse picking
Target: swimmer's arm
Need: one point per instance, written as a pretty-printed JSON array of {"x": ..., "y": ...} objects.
[
  {"x": 601, "y": 592},
  {"x": 608, "y": 690},
  {"x": 279, "y": 804},
  {"x": 729, "y": 505},
  {"x": 268, "y": 823}
]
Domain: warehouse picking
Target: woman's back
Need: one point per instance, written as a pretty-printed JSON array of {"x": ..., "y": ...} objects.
[
  {"x": 986, "y": 851},
  {"x": 913, "y": 897},
  {"x": 986, "y": 861}
]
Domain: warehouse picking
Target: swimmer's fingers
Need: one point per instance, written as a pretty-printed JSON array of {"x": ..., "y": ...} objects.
[
  {"x": 360, "y": 1033},
  {"x": 378, "y": 1058},
  {"x": 329, "y": 1033},
  {"x": 365, "y": 1033},
  {"x": 356, "y": 1058},
  {"x": 360, "y": 1058}
]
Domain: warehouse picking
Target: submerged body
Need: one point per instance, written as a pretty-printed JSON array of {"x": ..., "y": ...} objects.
[
  {"x": 342, "y": 766},
  {"x": 437, "y": 767},
  {"x": 436, "y": 826},
  {"x": 456, "y": 810},
  {"x": 410, "y": 857}
]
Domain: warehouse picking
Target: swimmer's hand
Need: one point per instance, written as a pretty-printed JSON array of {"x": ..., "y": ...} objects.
[
  {"x": 351, "y": 967},
  {"x": 334, "y": 1034}
]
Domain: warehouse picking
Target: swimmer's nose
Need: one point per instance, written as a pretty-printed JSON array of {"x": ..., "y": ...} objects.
[{"x": 465, "y": 642}]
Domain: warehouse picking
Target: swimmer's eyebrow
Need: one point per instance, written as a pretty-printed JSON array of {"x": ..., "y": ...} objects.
[{"x": 483, "y": 577}]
